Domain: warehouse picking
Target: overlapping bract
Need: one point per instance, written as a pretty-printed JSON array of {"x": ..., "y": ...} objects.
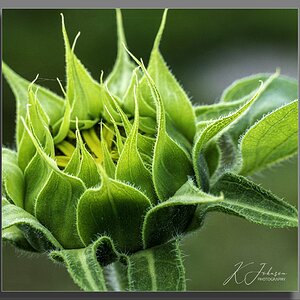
[{"x": 172, "y": 164}]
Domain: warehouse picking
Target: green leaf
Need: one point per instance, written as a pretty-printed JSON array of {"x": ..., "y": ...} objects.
[
  {"x": 167, "y": 176},
  {"x": 157, "y": 269},
  {"x": 102, "y": 210},
  {"x": 145, "y": 100},
  {"x": 15, "y": 237},
  {"x": 203, "y": 173},
  {"x": 110, "y": 112},
  {"x": 280, "y": 91},
  {"x": 145, "y": 143},
  {"x": 83, "y": 91},
  {"x": 38, "y": 121},
  {"x": 272, "y": 139},
  {"x": 148, "y": 125},
  {"x": 13, "y": 178},
  {"x": 119, "y": 79},
  {"x": 171, "y": 165},
  {"x": 108, "y": 164},
  {"x": 204, "y": 136},
  {"x": 51, "y": 103},
  {"x": 35, "y": 170},
  {"x": 123, "y": 118},
  {"x": 177, "y": 105},
  {"x": 86, "y": 265},
  {"x": 229, "y": 157},
  {"x": 88, "y": 171},
  {"x": 130, "y": 167},
  {"x": 81, "y": 163},
  {"x": 73, "y": 166},
  {"x": 39, "y": 237},
  {"x": 215, "y": 111},
  {"x": 146, "y": 147},
  {"x": 119, "y": 139},
  {"x": 282, "y": 87},
  {"x": 56, "y": 203},
  {"x": 212, "y": 156},
  {"x": 56, "y": 207},
  {"x": 247, "y": 200},
  {"x": 36, "y": 174},
  {"x": 64, "y": 124},
  {"x": 169, "y": 219}
]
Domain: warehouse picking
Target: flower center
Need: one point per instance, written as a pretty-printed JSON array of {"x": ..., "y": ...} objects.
[{"x": 92, "y": 139}]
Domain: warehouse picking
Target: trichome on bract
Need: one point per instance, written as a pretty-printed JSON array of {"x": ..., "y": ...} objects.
[{"x": 108, "y": 178}]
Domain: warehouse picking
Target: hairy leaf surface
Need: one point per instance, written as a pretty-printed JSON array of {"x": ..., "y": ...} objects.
[
  {"x": 51, "y": 103},
  {"x": 38, "y": 121},
  {"x": 270, "y": 140},
  {"x": 85, "y": 265},
  {"x": 248, "y": 200},
  {"x": 111, "y": 201},
  {"x": 177, "y": 105},
  {"x": 157, "y": 269},
  {"x": 119, "y": 79},
  {"x": 280, "y": 91},
  {"x": 83, "y": 91},
  {"x": 15, "y": 237},
  {"x": 168, "y": 219},
  {"x": 214, "y": 128},
  {"x": 167, "y": 175},
  {"x": 131, "y": 167},
  {"x": 215, "y": 111},
  {"x": 58, "y": 215},
  {"x": 38, "y": 236},
  {"x": 12, "y": 177}
]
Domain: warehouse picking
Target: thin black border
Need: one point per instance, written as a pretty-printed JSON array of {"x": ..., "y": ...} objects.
[{"x": 33, "y": 4}]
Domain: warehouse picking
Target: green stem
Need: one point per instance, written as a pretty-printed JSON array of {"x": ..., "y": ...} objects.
[
  {"x": 157, "y": 269},
  {"x": 85, "y": 265},
  {"x": 99, "y": 267},
  {"x": 116, "y": 277},
  {"x": 83, "y": 268}
]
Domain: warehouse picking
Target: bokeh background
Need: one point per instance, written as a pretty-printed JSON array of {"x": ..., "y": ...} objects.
[{"x": 207, "y": 50}]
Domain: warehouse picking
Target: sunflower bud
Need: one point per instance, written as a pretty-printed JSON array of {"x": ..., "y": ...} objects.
[
  {"x": 122, "y": 165},
  {"x": 95, "y": 162}
]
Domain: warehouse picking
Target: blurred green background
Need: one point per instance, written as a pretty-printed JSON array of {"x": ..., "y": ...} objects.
[{"x": 206, "y": 50}]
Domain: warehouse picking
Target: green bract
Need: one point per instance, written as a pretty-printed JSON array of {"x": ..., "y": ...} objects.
[{"x": 109, "y": 177}]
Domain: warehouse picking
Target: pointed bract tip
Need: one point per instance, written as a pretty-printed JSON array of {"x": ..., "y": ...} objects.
[
  {"x": 33, "y": 82},
  {"x": 64, "y": 32},
  {"x": 118, "y": 12},
  {"x": 61, "y": 87},
  {"x": 160, "y": 30},
  {"x": 63, "y": 21},
  {"x": 261, "y": 83},
  {"x": 132, "y": 56},
  {"x": 101, "y": 77},
  {"x": 38, "y": 147},
  {"x": 120, "y": 28},
  {"x": 75, "y": 41},
  {"x": 77, "y": 133}
]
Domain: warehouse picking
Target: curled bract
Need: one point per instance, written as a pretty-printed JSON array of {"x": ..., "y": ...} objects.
[{"x": 127, "y": 163}]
